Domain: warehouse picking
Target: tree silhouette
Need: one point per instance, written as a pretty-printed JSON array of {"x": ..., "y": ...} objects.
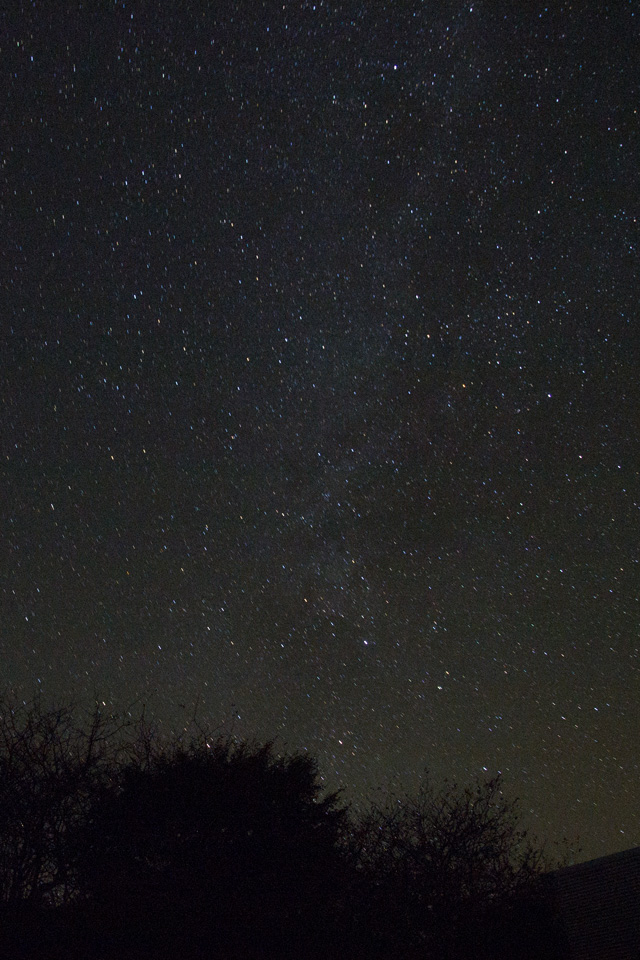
[
  {"x": 50, "y": 769},
  {"x": 230, "y": 843},
  {"x": 447, "y": 873}
]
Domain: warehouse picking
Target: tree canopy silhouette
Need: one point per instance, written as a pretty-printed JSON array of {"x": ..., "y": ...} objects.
[
  {"x": 451, "y": 873},
  {"x": 232, "y": 841},
  {"x": 50, "y": 769}
]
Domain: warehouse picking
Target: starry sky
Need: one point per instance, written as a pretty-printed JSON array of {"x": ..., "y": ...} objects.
[{"x": 320, "y": 395}]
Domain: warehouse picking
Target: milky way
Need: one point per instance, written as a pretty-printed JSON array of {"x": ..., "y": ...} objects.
[{"x": 319, "y": 352}]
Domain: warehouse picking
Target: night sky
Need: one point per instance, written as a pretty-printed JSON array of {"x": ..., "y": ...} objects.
[{"x": 319, "y": 360}]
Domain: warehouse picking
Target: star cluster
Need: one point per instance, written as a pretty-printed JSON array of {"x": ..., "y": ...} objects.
[{"x": 319, "y": 352}]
